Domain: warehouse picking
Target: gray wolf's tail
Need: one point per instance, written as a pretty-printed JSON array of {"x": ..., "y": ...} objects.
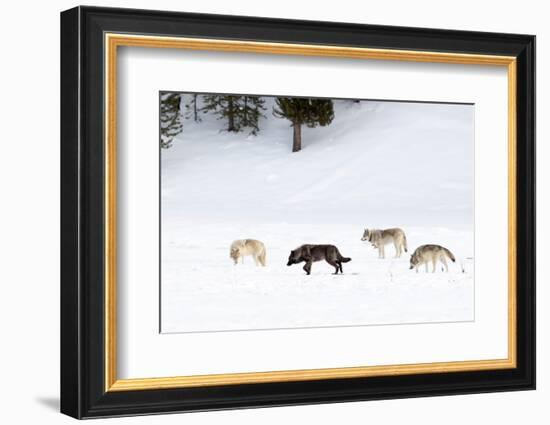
[
  {"x": 450, "y": 254},
  {"x": 261, "y": 257},
  {"x": 405, "y": 243}
]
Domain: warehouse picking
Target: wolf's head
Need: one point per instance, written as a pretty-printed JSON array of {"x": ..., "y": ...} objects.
[
  {"x": 415, "y": 260},
  {"x": 366, "y": 235},
  {"x": 234, "y": 253},
  {"x": 293, "y": 258}
]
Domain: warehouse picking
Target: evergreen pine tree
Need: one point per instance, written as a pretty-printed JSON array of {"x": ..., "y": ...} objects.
[
  {"x": 240, "y": 112},
  {"x": 224, "y": 106},
  {"x": 299, "y": 111},
  {"x": 250, "y": 111},
  {"x": 170, "y": 118},
  {"x": 192, "y": 107}
]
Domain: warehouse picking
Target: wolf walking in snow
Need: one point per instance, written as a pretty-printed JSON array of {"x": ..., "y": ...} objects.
[
  {"x": 312, "y": 253},
  {"x": 242, "y": 247},
  {"x": 431, "y": 253},
  {"x": 379, "y": 238}
]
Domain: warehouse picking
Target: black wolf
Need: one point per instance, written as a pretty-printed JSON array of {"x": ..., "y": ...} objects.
[{"x": 312, "y": 253}]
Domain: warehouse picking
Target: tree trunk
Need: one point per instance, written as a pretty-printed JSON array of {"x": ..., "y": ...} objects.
[
  {"x": 230, "y": 115},
  {"x": 297, "y": 140},
  {"x": 195, "y": 112}
]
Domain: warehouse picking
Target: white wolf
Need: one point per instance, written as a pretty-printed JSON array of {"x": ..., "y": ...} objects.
[
  {"x": 379, "y": 238},
  {"x": 431, "y": 253},
  {"x": 242, "y": 247}
]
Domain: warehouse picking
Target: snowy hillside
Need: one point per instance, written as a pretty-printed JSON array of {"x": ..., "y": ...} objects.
[{"x": 379, "y": 164}]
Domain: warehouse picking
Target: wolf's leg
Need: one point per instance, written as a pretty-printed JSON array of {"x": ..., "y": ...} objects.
[
  {"x": 333, "y": 264},
  {"x": 307, "y": 267},
  {"x": 242, "y": 259},
  {"x": 444, "y": 261},
  {"x": 397, "y": 249},
  {"x": 341, "y": 269},
  {"x": 426, "y": 264},
  {"x": 434, "y": 263},
  {"x": 382, "y": 251},
  {"x": 255, "y": 259}
]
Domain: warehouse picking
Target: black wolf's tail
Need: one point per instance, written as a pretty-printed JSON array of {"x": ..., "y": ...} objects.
[
  {"x": 341, "y": 258},
  {"x": 450, "y": 254}
]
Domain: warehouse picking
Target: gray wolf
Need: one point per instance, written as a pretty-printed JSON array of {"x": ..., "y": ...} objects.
[
  {"x": 431, "y": 253},
  {"x": 242, "y": 247},
  {"x": 312, "y": 253},
  {"x": 379, "y": 238}
]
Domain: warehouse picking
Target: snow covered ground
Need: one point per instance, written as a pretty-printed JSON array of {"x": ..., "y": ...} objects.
[{"x": 379, "y": 164}]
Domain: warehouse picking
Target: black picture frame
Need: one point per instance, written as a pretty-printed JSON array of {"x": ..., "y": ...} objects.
[{"x": 83, "y": 392}]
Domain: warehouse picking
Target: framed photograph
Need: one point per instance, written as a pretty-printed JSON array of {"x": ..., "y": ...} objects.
[{"x": 262, "y": 212}]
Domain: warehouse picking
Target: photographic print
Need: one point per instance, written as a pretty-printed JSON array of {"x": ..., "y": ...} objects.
[{"x": 290, "y": 212}]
